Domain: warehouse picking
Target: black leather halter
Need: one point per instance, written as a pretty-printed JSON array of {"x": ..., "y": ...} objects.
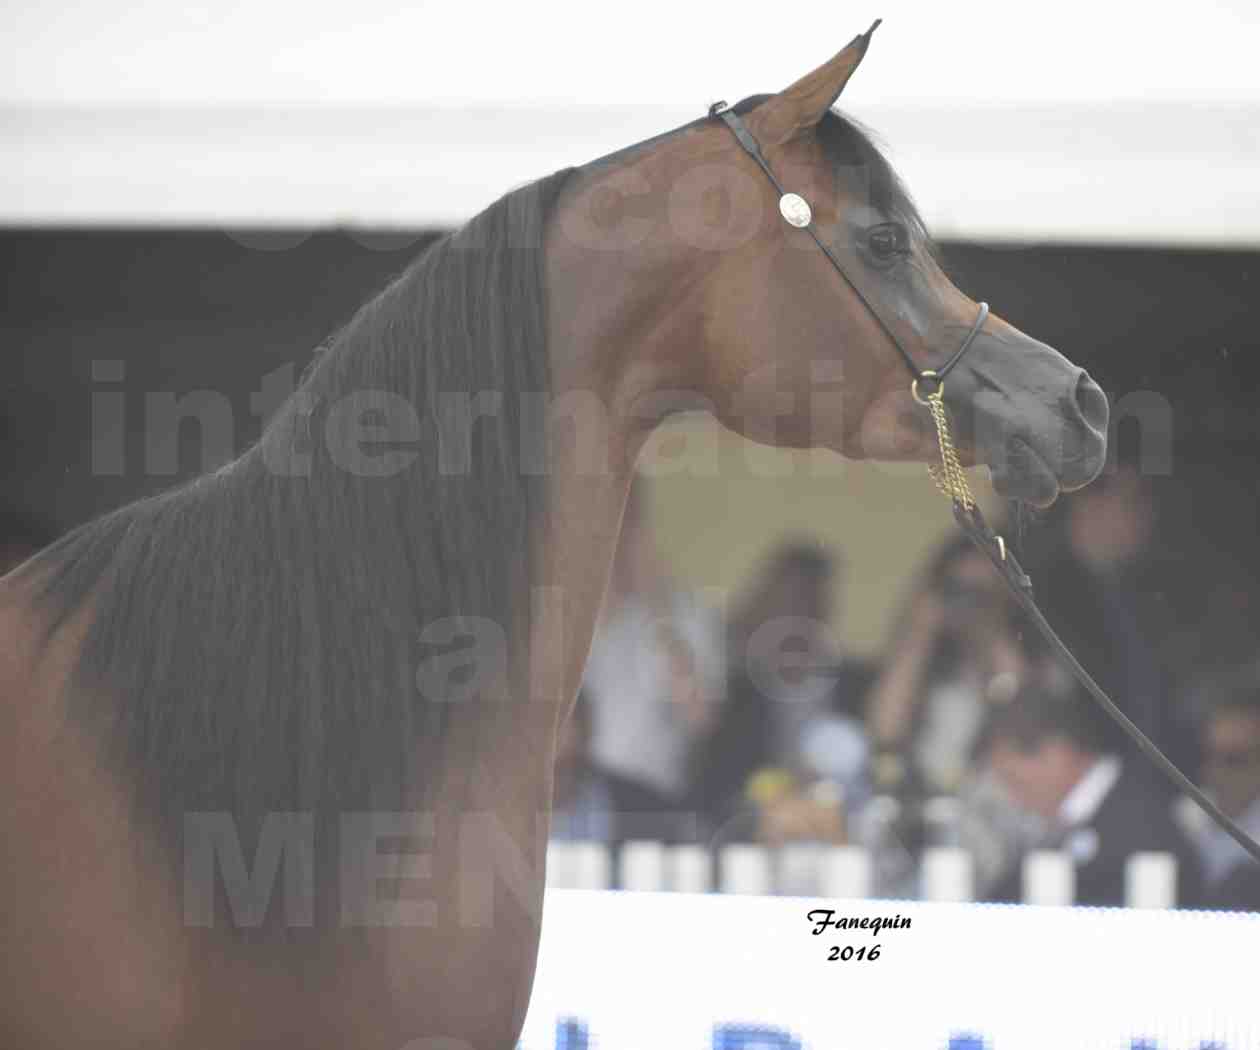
[
  {"x": 796, "y": 212},
  {"x": 794, "y": 205}
]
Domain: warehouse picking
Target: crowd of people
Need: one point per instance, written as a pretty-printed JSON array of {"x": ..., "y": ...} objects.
[{"x": 758, "y": 726}]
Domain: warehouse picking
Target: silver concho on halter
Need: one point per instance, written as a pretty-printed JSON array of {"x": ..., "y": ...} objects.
[{"x": 795, "y": 209}]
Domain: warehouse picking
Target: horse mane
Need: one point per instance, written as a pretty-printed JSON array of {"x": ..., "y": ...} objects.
[{"x": 255, "y": 635}]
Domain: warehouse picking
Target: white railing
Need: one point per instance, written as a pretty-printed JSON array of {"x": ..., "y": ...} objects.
[{"x": 806, "y": 870}]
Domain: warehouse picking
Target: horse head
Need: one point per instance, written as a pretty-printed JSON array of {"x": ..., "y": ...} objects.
[{"x": 758, "y": 326}]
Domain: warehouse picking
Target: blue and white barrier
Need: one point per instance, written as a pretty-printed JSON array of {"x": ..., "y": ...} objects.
[{"x": 692, "y": 971}]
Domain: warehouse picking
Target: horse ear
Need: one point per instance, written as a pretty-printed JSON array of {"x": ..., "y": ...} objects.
[{"x": 803, "y": 105}]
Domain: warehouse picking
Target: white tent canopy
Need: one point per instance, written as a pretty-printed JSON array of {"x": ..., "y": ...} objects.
[{"x": 1010, "y": 125}]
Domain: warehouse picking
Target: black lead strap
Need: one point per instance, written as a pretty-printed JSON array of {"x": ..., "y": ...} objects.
[
  {"x": 927, "y": 386},
  {"x": 1020, "y": 585}
]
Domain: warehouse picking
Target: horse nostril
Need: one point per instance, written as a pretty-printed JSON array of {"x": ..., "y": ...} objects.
[{"x": 1091, "y": 402}]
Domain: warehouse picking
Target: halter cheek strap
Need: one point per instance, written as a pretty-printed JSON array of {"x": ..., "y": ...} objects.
[
  {"x": 797, "y": 212},
  {"x": 926, "y": 385}
]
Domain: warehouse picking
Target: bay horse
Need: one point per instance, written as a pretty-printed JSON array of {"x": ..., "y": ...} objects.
[{"x": 282, "y": 737}]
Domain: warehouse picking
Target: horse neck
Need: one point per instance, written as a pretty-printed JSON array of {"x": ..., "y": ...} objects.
[{"x": 624, "y": 336}]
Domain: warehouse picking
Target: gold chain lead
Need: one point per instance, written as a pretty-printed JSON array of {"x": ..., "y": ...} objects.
[{"x": 949, "y": 476}]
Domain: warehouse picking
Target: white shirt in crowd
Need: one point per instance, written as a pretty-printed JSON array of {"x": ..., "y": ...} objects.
[
  {"x": 636, "y": 728},
  {"x": 1217, "y": 849}
]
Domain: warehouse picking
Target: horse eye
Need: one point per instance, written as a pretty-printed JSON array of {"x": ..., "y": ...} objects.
[{"x": 889, "y": 240}]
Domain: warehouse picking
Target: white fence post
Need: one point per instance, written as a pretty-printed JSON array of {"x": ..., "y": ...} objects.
[
  {"x": 846, "y": 873},
  {"x": 745, "y": 869},
  {"x": 799, "y": 868},
  {"x": 643, "y": 866},
  {"x": 1150, "y": 880},
  {"x": 1049, "y": 878},
  {"x": 947, "y": 874},
  {"x": 690, "y": 870},
  {"x": 578, "y": 866}
]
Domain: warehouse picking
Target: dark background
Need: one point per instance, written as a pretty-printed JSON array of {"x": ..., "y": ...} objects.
[{"x": 202, "y": 310}]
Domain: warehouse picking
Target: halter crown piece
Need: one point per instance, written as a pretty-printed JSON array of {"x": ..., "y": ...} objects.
[{"x": 928, "y": 388}]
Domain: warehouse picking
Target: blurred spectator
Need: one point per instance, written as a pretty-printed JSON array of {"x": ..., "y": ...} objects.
[
  {"x": 591, "y": 804},
  {"x": 1098, "y": 589},
  {"x": 791, "y": 706},
  {"x": 992, "y": 826},
  {"x": 959, "y": 649},
  {"x": 1231, "y": 775},
  {"x": 781, "y": 646},
  {"x": 20, "y": 537},
  {"x": 654, "y": 676},
  {"x": 956, "y": 652},
  {"x": 1049, "y": 751}
]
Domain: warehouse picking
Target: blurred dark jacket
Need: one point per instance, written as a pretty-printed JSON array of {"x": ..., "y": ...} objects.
[
  {"x": 1131, "y": 818},
  {"x": 1116, "y": 625}
]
